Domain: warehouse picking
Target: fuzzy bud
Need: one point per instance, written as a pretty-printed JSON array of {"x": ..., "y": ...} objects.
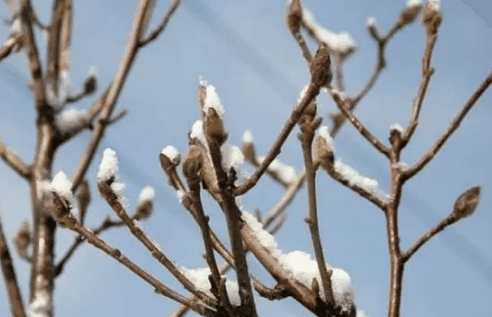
[
  {"x": 323, "y": 152},
  {"x": 192, "y": 163},
  {"x": 214, "y": 127},
  {"x": 372, "y": 28},
  {"x": 321, "y": 74},
  {"x": 23, "y": 239},
  {"x": 294, "y": 16},
  {"x": 410, "y": 13},
  {"x": 467, "y": 202},
  {"x": 145, "y": 203},
  {"x": 248, "y": 148},
  {"x": 90, "y": 85},
  {"x": 83, "y": 199},
  {"x": 60, "y": 207},
  {"x": 432, "y": 17}
]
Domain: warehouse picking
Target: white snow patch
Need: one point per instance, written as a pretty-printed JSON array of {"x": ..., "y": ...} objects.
[
  {"x": 354, "y": 178},
  {"x": 212, "y": 99},
  {"x": 41, "y": 305},
  {"x": 197, "y": 133},
  {"x": 171, "y": 152},
  {"x": 180, "y": 193},
  {"x": 434, "y": 4},
  {"x": 147, "y": 194},
  {"x": 109, "y": 165},
  {"x": 235, "y": 157},
  {"x": 248, "y": 137},
  {"x": 62, "y": 186},
  {"x": 70, "y": 119},
  {"x": 397, "y": 127},
  {"x": 199, "y": 277},
  {"x": 412, "y": 3},
  {"x": 325, "y": 134},
  {"x": 286, "y": 173},
  {"x": 371, "y": 21},
  {"x": 16, "y": 26}
]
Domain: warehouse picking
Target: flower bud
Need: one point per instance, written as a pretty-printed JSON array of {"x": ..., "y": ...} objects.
[
  {"x": 90, "y": 85},
  {"x": 410, "y": 13},
  {"x": 214, "y": 127},
  {"x": 83, "y": 199},
  {"x": 23, "y": 239},
  {"x": 432, "y": 17},
  {"x": 294, "y": 16},
  {"x": 321, "y": 74},
  {"x": 467, "y": 202},
  {"x": 192, "y": 163}
]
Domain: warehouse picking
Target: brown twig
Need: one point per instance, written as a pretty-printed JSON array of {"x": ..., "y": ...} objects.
[
  {"x": 344, "y": 108},
  {"x": 114, "y": 202},
  {"x": 306, "y": 137},
  {"x": 116, "y": 254},
  {"x": 165, "y": 20},
  {"x": 450, "y": 130},
  {"x": 311, "y": 93},
  {"x": 10, "y": 277},
  {"x": 13, "y": 43},
  {"x": 107, "y": 224},
  {"x": 109, "y": 101},
  {"x": 15, "y": 162}
]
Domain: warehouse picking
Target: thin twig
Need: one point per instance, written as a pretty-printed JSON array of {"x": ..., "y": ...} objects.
[
  {"x": 15, "y": 162},
  {"x": 72, "y": 224},
  {"x": 10, "y": 277},
  {"x": 450, "y": 130},
  {"x": 307, "y": 136},
  {"x": 343, "y": 106},
  {"x": 162, "y": 26},
  {"x": 311, "y": 93},
  {"x": 427, "y": 72},
  {"x": 443, "y": 224},
  {"x": 114, "y": 91},
  {"x": 115, "y": 204}
]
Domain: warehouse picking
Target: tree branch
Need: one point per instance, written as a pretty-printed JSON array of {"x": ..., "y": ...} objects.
[
  {"x": 10, "y": 278},
  {"x": 15, "y": 162},
  {"x": 162, "y": 26}
]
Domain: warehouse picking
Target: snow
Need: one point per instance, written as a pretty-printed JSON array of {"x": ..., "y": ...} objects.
[
  {"x": 109, "y": 165},
  {"x": 235, "y": 157},
  {"x": 361, "y": 313},
  {"x": 412, "y": 3},
  {"x": 434, "y": 4},
  {"x": 171, "y": 152},
  {"x": 147, "y": 194},
  {"x": 41, "y": 305},
  {"x": 303, "y": 93},
  {"x": 62, "y": 186},
  {"x": 180, "y": 193},
  {"x": 397, "y": 127},
  {"x": 354, "y": 178},
  {"x": 339, "y": 43},
  {"x": 16, "y": 26},
  {"x": 212, "y": 99},
  {"x": 325, "y": 134},
  {"x": 70, "y": 119},
  {"x": 285, "y": 172},
  {"x": 248, "y": 137},
  {"x": 302, "y": 267},
  {"x": 199, "y": 277},
  {"x": 197, "y": 133},
  {"x": 371, "y": 21}
]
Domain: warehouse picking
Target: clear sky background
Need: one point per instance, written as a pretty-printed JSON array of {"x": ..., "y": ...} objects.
[{"x": 244, "y": 49}]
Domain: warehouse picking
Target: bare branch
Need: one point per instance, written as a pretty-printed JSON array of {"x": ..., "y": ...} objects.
[
  {"x": 162, "y": 26},
  {"x": 72, "y": 224},
  {"x": 108, "y": 101},
  {"x": 10, "y": 277},
  {"x": 15, "y": 162},
  {"x": 344, "y": 108},
  {"x": 450, "y": 130},
  {"x": 12, "y": 44}
]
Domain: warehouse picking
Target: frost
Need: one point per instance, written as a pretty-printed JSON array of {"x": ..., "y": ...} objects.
[
  {"x": 70, "y": 119},
  {"x": 199, "y": 277},
  {"x": 341, "y": 43},
  {"x": 325, "y": 134},
  {"x": 171, "y": 152},
  {"x": 397, "y": 127},
  {"x": 235, "y": 157},
  {"x": 248, "y": 137},
  {"x": 413, "y": 3},
  {"x": 354, "y": 178},
  {"x": 212, "y": 99},
  {"x": 371, "y": 21},
  {"x": 41, "y": 305},
  {"x": 286, "y": 173},
  {"x": 147, "y": 194}
]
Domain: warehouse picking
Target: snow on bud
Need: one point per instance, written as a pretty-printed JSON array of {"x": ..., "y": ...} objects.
[
  {"x": 467, "y": 202},
  {"x": 372, "y": 28},
  {"x": 107, "y": 175},
  {"x": 145, "y": 203},
  {"x": 63, "y": 199},
  {"x": 411, "y": 11},
  {"x": 214, "y": 126},
  {"x": 169, "y": 157},
  {"x": 324, "y": 150},
  {"x": 432, "y": 17},
  {"x": 248, "y": 146}
]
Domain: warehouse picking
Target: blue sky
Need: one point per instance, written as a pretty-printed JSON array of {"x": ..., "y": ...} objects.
[{"x": 245, "y": 50}]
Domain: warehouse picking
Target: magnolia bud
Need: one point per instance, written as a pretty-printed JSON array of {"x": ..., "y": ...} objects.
[
  {"x": 294, "y": 16},
  {"x": 321, "y": 74},
  {"x": 214, "y": 127},
  {"x": 467, "y": 202},
  {"x": 432, "y": 17},
  {"x": 23, "y": 238},
  {"x": 90, "y": 85},
  {"x": 84, "y": 199},
  {"x": 192, "y": 163},
  {"x": 410, "y": 13}
]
